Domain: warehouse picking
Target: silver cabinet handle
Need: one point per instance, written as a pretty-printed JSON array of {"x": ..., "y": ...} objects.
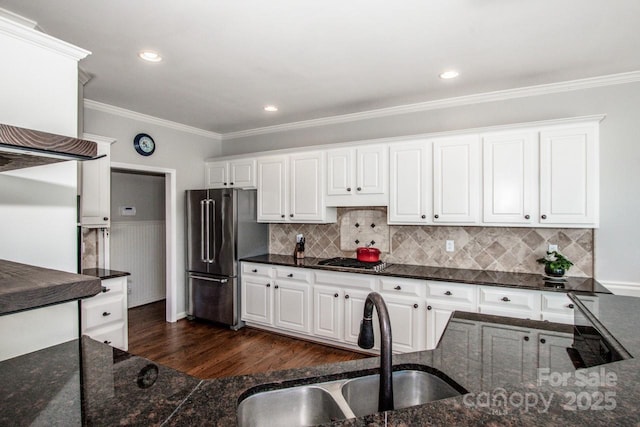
[{"x": 210, "y": 279}]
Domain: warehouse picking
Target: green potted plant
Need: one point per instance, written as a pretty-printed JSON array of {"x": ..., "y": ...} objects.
[{"x": 555, "y": 264}]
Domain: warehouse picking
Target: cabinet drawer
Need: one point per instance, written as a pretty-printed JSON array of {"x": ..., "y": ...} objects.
[
  {"x": 348, "y": 280},
  {"x": 403, "y": 286},
  {"x": 111, "y": 288},
  {"x": 557, "y": 303},
  {"x": 510, "y": 299},
  {"x": 297, "y": 274},
  {"x": 257, "y": 269},
  {"x": 98, "y": 313},
  {"x": 114, "y": 335},
  {"x": 458, "y": 293}
]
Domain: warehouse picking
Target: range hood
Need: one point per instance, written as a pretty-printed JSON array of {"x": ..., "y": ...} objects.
[{"x": 23, "y": 148}]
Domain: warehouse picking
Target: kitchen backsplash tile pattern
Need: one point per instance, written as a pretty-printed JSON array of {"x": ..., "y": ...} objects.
[
  {"x": 510, "y": 249},
  {"x": 90, "y": 248}
]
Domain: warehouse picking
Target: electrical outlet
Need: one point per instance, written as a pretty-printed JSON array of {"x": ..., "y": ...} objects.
[
  {"x": 553, "y": 248},
  {"x": 450, "y": 247}
]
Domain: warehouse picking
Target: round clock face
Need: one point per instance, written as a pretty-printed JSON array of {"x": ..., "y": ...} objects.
[{"x": 144, "y": 144}]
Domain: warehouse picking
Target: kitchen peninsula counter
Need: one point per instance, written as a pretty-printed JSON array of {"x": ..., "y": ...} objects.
[
  {"x": 25, "y": 287},
  {"x": 122, "y": 389},
  {"x": 457, "y": 275}
]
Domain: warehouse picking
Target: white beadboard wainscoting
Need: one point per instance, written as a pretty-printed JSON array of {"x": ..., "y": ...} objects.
[{"x": 138, "y": 247}]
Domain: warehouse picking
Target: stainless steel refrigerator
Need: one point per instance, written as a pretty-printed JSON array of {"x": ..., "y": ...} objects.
[{"x": 222, "y": 228}]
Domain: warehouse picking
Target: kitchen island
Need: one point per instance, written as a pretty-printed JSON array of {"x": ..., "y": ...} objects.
[{"x": 488, "y": 356}]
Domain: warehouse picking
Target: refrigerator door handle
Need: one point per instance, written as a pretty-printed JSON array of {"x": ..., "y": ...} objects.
[
  {"x": 212, "y": 243},
  {"x": 202, "y": 233},
  {"x": 209, "y": 279}
]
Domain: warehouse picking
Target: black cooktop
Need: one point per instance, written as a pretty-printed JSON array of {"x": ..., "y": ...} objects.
[{"x": 351, "y": 263}]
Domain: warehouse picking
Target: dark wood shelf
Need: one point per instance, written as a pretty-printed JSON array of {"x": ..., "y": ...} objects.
[{"x": 24, "y": 287}]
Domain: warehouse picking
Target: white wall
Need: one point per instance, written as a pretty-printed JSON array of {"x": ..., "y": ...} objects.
[
  {"x": 144, "y": 192},
  {"x": 617, "y": 242},
  {"x": 183, "y": 151}
]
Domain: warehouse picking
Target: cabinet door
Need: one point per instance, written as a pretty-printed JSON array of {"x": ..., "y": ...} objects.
[
  {"x": 242, "y": 173},
  {"x": 353, "y": 312},
  {"x": 256, "y": 300},
  {"x": 95, "y": 200},
  {"x": 407, "y": 323},
  {"x": 509, "y": 355},
  {"x": 508, "y": 177},
  {"x": 292, "y": 307},
  {"x": 272, "y": 189},
  {"x": 340, "y": 172},
  {"x": 436, "y": 323},
  {"x": 410, "y": 183},
  {"x": 456, "y": 179},
  {"x": 569, "y": 176},
  {"x": 456, "y": 351},
  {"x": 371, "y": 169},
  {"x": 217, "y": 174},
  {"x": 552, "y": 351},
  {"x": 328, "y": 311},
  {"x": 306, "y": 198}
]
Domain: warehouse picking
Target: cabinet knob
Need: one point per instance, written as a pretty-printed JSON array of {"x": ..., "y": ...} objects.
[
  {"x": 359, "y": 188},
  {"x": 505, "y": 299},
  {"x": 346, "y": 297},
  {"x": 255, "y": 270},
  {"x": 570, "y": 306},
  {"x": 335, "y": 295},
  {"x": 290, "y": 275},
  {"x": 348, "y": 188},
  {"x": 106, "y": 313},
  {"x": 423, "y": 217},
  {"x": 448, "y": 293},
  {"x": 224, "y": 183},
  {"x": 282, "y": 216},
  {"x": 542, "y": 340},
  {"x": 397, "y": 288},
  {"x": 107, "y": 342},
  {"x": 105, "y": 289},
  {"x": 106, "y": 218},
  {"x": 231, "y": 183},
  {"x": 415, "y": 305},
  {"x": 436, "y": 216},
  {"x": 276, "y": 287},
  {"x": 268, "y": 285},
  {"x": 543, "y": 217},
  {"x": 526, "y": 338},
  {"x": 291, "y": 215},
  {"x": 527, "y": 216},
  {"x": 429, "y": 307}
]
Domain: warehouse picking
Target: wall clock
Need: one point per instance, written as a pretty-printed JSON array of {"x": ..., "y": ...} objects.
[{"x": 144, "y": 144}]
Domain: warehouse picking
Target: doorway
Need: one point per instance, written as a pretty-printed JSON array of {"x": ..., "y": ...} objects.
[{"x": 143, "y": 232}]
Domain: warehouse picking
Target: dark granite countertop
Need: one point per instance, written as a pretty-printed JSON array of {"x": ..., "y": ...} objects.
[
  {"x": 458, "y": 275},
  {"x": 104, "y": 273},
  {"x": 24, "y": 287},
  {"x": 496, "y": 359}
]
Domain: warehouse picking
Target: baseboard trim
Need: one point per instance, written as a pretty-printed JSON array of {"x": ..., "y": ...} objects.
[
  {"x": 623, "y": 288},
  {"x": 181, "y": 315}
]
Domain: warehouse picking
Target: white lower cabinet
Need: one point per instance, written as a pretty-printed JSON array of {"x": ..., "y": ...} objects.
[
  {"x": 328, "y": 311},
  {"x": 104, "y": 316},
  {"x": 518, "y": 303},
  {"x": 552, "y": 351},
  {"x": 292, "y": 305},
  {"x": 255, "y": 289},
  {"x": 407, "y": 320}
]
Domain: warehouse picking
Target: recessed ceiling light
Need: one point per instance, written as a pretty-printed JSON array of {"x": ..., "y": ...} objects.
[
  {"x": 451, "y": 74},
  {"x": 270, "y": 108},
  {"x": 151, "y": 56}
]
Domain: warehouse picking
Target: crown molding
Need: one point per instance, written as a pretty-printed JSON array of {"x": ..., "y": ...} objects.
[
  {"x": 28, "y": 34},
  {"x": 133, "y": 115},
  {"x": 566, "y": 86}
]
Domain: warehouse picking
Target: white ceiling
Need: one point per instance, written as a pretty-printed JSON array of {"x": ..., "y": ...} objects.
[{"x": 225, "y": 60}]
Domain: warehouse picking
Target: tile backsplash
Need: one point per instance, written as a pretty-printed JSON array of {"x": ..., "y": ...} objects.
[{"x": 511, "y": 249}]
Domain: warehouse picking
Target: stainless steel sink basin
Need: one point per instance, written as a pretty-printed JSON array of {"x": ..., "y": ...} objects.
[
  {"x": 296, "y": 406},
  {"x": 341, "y": 399},
  {"x": 410, "y": 388}
]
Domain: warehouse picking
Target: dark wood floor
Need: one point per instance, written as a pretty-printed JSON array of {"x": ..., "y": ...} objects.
[{"x": 205, "y": 350}]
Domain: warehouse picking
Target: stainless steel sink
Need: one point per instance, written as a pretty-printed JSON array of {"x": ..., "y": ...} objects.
[
  {"x": 410, "y": 388},
  {"x": 341, "y": 399}
]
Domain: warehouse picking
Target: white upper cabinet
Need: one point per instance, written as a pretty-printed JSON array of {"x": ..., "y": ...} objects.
[
  {"x": 410, "y": 183},
  {"x": 569, "y": 175},
  {"x": 239, "y": 173},
  {"x": 291, "y": 189},
  {"x": 357, "y": 176},
  {"x": 95, "y": 185},
  {"x": 509, "y": 177},
  {"x": 456, "y": 179}
]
